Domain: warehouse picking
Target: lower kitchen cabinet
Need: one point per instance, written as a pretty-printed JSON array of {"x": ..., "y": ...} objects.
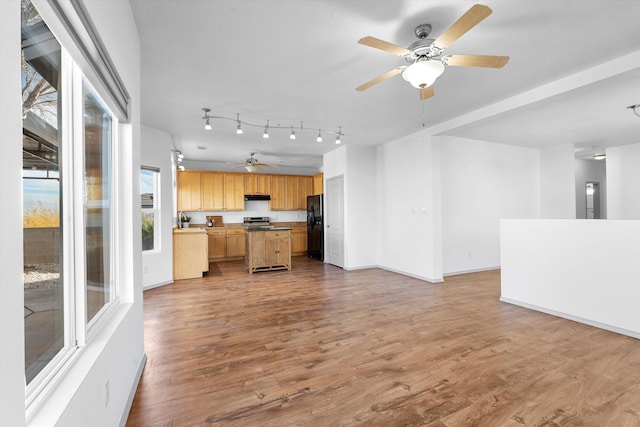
[
  {"x": 299, "y": 240},
  {"x": 189, "y": 253},
  {"x": 268, "y": 250},
  {"x": 225, "y": 244}
]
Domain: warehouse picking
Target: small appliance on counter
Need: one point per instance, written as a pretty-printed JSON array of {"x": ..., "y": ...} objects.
[{"x": 214, "y": 221}]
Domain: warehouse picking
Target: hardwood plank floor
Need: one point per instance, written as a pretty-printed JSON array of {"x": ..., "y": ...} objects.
[{"x": 319, "y": 346}]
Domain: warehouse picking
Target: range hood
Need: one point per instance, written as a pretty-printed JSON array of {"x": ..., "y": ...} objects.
[{"x": 257, "y": 197}]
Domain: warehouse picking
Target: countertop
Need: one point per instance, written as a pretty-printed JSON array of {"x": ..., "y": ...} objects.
[
  {"x": 240, "y": 225},
  {"x": 190, "y": 230},
  {"x": 252, "y": 230}
]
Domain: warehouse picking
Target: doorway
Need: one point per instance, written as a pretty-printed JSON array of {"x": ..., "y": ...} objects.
[
  {"x": 593, "y": 200},
  {"x": 334, "y": 224}
]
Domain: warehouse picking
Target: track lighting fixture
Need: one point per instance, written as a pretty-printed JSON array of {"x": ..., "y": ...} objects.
[
  {"x": 206, "y": 118},
  {"x": 239, "y": 128},
  {"x": 266, "y": 128}
]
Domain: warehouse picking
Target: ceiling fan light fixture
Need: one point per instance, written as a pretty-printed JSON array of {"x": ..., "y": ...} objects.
[
  {"x": 250, "y": 168},
  {"x": 423, "y": 73}
]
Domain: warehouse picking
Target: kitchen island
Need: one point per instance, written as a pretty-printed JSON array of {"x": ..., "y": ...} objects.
[{"x": 267, "y": 248}]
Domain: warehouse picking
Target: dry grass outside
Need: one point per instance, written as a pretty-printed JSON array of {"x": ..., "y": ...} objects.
[{"x": 40, "y": 217}]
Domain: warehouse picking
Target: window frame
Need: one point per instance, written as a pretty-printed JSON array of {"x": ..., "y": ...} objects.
[
  {"x": 78, "y": 331},
  {"x": 156, "y": 210}
]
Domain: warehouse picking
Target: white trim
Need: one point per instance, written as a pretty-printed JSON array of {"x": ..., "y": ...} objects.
[
  {"x": 578, "y": 319},
  {"x": 132, "y": 391},
  {"x": 157, "y": 285},
  {"x": 415, "y": 276},
  {"x": 475, "y": 270}
]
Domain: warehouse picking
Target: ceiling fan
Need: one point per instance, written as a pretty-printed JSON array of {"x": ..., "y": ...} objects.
[
  {"x": 424, "y": 56},
  {"x": 251, "y": 164}
]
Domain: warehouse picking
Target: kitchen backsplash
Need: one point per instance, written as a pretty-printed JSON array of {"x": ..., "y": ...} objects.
[{"x": 252, "y": 208}]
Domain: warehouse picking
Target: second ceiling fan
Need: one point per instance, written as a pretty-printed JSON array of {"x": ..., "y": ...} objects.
[{"x": 424, "y": 56}]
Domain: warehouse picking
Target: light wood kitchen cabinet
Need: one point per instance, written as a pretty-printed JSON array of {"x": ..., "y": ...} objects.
[
  {"x": 306, "y": 189},
  {"x": 222, "y": 192},
  {"x": 189, "y": 191},
  {"x": 190, "y": 253},
  {"x": 292, "y": 193},
  {"x": 268, "y": 250},
  {"x": 299, "y": 240},
  {"x": 278, "y": 194},
  {"x": 318, "y": 184},
  {"x": 225, "y": 243},
  {"x": 233, "y": 192},
  {"x": 212, "y": 191},
  {"x": 257, "y": 184}
]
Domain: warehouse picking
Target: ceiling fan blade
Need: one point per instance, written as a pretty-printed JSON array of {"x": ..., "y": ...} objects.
[
  {"x": 383, "y": 45},
  {"x": 487, "y": 61},
  {"x": 473, "y": 17},
  {"x": 267, "y": 164},
  {"x": 426, "y": 93},
  {"x": 381, "y": 78}
]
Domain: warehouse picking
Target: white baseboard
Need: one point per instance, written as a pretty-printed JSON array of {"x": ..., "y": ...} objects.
[
  {"x": 132, "y": 391},
  {"x": 415, "y": 276},
  {"x": 476, "y": 270},
  {"x": 157, "y": 285},
  {"x": 606, "y": 327}
]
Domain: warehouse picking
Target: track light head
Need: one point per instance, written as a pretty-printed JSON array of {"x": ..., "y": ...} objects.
[
  {"x": 319, "y": 138},
  {"x": 207, "y": 124}
]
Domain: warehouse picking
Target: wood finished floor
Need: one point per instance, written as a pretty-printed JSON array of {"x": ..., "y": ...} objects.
[{"x": 319, "y": 346}]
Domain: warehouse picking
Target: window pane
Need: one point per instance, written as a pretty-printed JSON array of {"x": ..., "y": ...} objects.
[
  {"x": 149, "y": 180},
  {"x": 43, "y": 291},
  {"x": 98, "y": 166}
]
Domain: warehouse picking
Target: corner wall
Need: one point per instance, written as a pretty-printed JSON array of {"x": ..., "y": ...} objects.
[
  {"x": 481, "y": 183},
  {"x": 623, "y": 176},
  {"x": 157, "y": 265},
  {"x": 408, "y": 218}
]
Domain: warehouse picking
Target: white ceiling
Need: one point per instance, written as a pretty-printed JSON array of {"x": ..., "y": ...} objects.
[{"x": 289, "y": 61}]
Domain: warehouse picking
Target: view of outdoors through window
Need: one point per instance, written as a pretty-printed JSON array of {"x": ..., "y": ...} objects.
[
  {"x": 41, "y": 106},
  {"x": 50, "y": 188},
  {"x": 149, "y": 179},
  {"x": 97, "y": 156}
]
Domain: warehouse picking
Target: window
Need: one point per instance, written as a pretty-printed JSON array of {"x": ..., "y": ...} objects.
[
  {"x": 68, "y": 145},
  {"x": 150, "y": 205}
]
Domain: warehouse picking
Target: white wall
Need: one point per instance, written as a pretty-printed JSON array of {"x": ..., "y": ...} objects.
[
  {"x": 590, "y": 171},
  {"x": 623, "y": 176},
  {"x": 557, "y": 182},
  {"x": 12, "y": 389},
  {"x": 482, "y": 182},
  {"x": 408, "y": 219},
  {"x": 360, "y": 207},
  {"x": 586, "y": 271},
  {"x": 157, "y": 265},
  {"x": 116, "y": 353}
]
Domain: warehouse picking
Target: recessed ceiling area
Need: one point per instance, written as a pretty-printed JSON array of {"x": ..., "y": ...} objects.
[{"x": 289, "y": 61}]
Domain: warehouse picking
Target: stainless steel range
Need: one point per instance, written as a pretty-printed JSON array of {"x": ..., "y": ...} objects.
[{"x": 257, "y": 222}]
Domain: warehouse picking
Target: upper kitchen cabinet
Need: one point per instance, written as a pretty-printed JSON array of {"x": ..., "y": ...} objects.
[
  {"x": 233, "y": 192},
  {"x": 212, "y": 191},
  {"x": 278, "y": 194},
  {"x": 257, "y": 184},
  {"x": 306, "y": 189},
  {"x": 292, "y": 192},
  {"x": 189, "y": 191},
  {"x": 318, "y": 184}
]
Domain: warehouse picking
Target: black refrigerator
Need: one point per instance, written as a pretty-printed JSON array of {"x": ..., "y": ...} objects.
[{"x": 315, "y": 228}]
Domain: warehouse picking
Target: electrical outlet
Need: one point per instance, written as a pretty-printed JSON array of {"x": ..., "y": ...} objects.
[{"x": 106, "y": 393}]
